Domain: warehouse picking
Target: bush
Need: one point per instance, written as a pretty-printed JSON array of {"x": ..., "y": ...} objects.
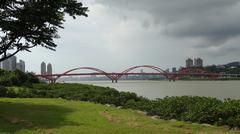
[
  {"x": 17, "y": 78},
  {"x": 230, "y": 113},
  {"x": 184, "y": 108},
  {"x": 198, "y": 109},
  {"x": 3, "y": 91}
]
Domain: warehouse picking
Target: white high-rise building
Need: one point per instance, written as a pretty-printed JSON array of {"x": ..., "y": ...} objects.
[
  {"x": 10, "y": 64},
  {"x": 43, "y": 68},
  {"x": 49, "y": 69},
  {"x": 198, "y": 62},
  {"x": 6, "y": 64},
  {"x": 13, "y": 63},
  {"x": 18, "y": 66},
  {"x": 189, "y": 62},
  {"x": 21, "y": 65}
]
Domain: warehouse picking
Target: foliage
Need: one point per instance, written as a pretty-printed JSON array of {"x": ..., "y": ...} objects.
[
  {"x": 198, "y": 109},
  {"x": 17, "y": 78},
  {"x": 3, "y": 91},
  {"x": 185, "y": 108},
  {"x": 25, "y": 24},
  {"x": 58, "y": 116}
]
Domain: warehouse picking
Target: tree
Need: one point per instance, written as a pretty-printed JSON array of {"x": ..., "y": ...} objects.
[{"x": 25, "y": 24}]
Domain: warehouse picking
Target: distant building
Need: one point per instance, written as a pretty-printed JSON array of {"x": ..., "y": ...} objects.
[
  {"x": 18, "y": 66},
  {"x": 6, "y": 65},
  {"x": 220, "y": 67},
  {"x": 233, "y": 64},
  {"x": 167, "y": 70},
  {"x": 198, "y": 62},
  {"x": 43, "y": 68},
  {"x": 10, "y": 64},
  {"x": 13, "y": 63},
  {"x": 174, "y": 69},
  {"x": 189, "y": 63},
  {"x": 49, "y": 69},
  {"x": 21, "y": 65},
  {"x": 23, "y": 69}
]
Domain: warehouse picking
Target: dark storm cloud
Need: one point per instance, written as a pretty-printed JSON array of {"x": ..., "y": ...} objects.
[{"x": 212, "y": 21}]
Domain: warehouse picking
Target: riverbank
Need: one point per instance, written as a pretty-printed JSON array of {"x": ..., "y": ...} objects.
[
  {"x": 58, "y": 116},
  {"x": 183, "y": 108}
]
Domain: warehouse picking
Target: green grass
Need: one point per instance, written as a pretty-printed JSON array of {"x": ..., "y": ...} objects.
[{"x": 57, "y": 116}]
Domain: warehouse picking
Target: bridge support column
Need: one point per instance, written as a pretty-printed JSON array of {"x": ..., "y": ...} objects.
[
  {"x": 114, "y": 81},
  {"x": 172, "y": 80}
]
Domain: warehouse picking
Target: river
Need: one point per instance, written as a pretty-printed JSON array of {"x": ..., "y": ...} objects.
[{"x": 160, "y": 89}]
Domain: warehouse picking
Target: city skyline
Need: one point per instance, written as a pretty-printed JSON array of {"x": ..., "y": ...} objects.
[
  {"x": 11, "y": 64},
  {"x": 115, "y": 36},
  {"x": 196, "y": 62},
  {"x": 47, "y": 68}
]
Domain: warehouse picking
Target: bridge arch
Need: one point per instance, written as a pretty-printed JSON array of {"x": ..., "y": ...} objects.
[
  {"x": 85, "y": 68},
  {"x": 158, "y": 69}
]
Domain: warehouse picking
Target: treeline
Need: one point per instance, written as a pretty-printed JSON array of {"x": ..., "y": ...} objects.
[
  {"x": 185, "y": 108},
  {"x": 17, "y": 78}
]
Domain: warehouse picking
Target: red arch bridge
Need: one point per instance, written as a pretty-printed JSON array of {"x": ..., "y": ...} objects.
[{"x": 114, "y": 77}]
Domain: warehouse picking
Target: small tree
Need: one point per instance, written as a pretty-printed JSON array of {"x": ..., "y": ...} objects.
[{"x": 25, "y": 24}]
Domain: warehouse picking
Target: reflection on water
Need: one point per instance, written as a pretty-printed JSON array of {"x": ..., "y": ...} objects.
[{"x": 160, "y": 89}]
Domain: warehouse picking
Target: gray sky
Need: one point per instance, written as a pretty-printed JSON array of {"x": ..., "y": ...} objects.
[{"x": 122, "y": 33}]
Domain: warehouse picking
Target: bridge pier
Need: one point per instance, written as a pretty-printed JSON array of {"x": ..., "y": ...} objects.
[
  {"x": 172, "y": 80},
  {"x": 114, "y": 81}
]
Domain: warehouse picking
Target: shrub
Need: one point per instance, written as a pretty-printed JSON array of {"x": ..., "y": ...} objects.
[
  {"x": 184, "y": 108},
  {"x": 3, "y": 91},
  {"x": 17, "y": 78}
]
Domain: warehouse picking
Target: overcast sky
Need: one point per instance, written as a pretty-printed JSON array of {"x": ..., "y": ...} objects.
[{"x": 122, "y": 33}]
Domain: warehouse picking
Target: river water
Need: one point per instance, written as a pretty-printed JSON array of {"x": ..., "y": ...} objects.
[{"x": 160, "y": 89}]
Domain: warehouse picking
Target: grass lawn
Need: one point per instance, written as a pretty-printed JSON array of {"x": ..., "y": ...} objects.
[{"x": 57, "y": 116}]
